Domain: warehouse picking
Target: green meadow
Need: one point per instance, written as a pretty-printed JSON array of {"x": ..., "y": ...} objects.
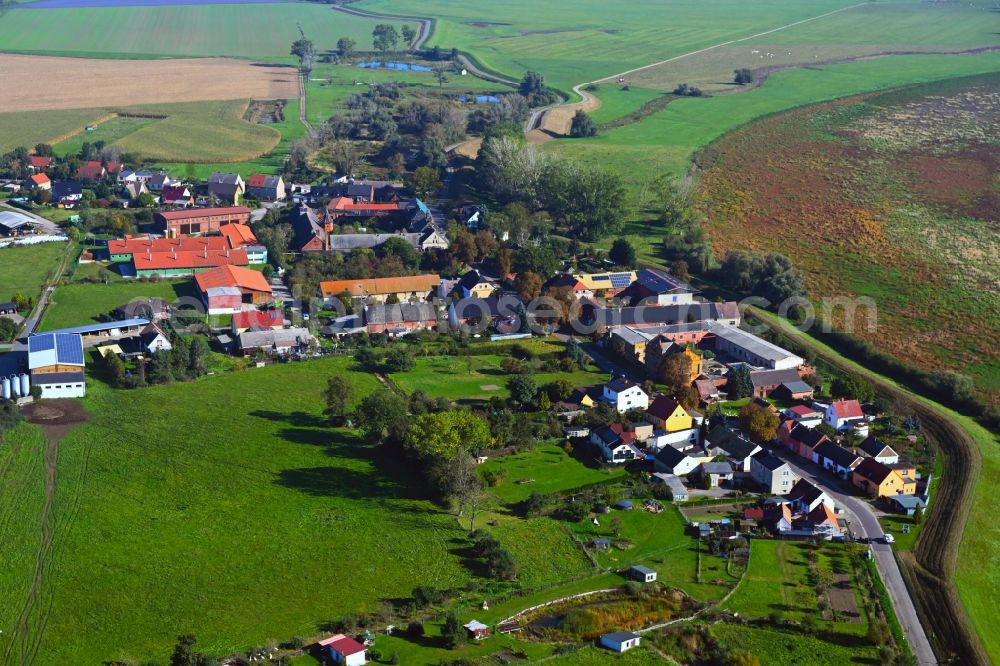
[
  {"x": 82, "y": 304},
  {"x": 545, "y": 469},
  {"x": 26, "y": 268},
  {"x": 255, "y": 31}
]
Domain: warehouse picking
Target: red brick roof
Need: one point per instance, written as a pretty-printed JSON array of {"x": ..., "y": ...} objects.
[
  {"x": 232, "y": 276},
  {"x": 256, "y": 180},
  {"x": 848, "y": 409},
  {"x": 264, "y": 319},
  {"x": 92, "y": 170},
  {"x": 174, "y": 192},
  {"x": 39, "y": 179},
  {"x": 39, "y": 162},
  {"x": 377, "y": 286},
  {"x": 346, "y": 646},
  {"x": 204, "y": 212},
  {"x": 158, "y": 245},
  {"x": 190, "y": 259}
]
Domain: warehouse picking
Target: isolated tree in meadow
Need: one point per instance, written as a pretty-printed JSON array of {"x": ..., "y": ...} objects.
[
  {"x": 385, "y": 38},
  {"x": 346, "y": 46},
  {"x": 408, "y": 34},
  {"x": 523, "y": 388},
  {"x": 337, "y": 398},
  {"x": 742, "y": 76},
  {"x": 381, "y": 416},
  {"x": 442, "y": 435},
  {"x": 440, "y": 76},
  {"x": 399, "y": 359},
  {"x": 622, "y": 253},
  {"x": 185, "y": 654},
  {"x": 583, "y": 125}
]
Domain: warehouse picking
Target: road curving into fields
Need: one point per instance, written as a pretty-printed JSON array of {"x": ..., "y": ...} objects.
[{"x": 930, "y": 570}]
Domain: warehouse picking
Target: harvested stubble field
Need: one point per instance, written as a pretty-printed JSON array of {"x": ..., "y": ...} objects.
[
  {"x": 75, "y": 83},
  {"x": 890, "y": 197}
]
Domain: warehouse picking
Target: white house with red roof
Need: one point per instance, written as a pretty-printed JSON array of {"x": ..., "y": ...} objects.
[
  {"x": 624, "y": 394},
  {"x": 344, "y": 650},
  {"x": 844, "y": 414},
  {"x": 39, "y": 181},
  {"x": 804, "y": 415}
]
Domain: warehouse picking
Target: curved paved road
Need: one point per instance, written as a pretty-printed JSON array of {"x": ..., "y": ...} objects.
[{"x": 865, "y": 523}]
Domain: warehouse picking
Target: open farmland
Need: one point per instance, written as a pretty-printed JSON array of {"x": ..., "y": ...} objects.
[
  {"x": 862, "y": 31},
  {"x": 891, "y": 197},
  {"x": 254, "y": 500},
  {"x": 26, "y": 268},
  {"x": 70, "y": 82},
  {"x": 247, "y": 30},
  {"x": 574, "y": 42}
]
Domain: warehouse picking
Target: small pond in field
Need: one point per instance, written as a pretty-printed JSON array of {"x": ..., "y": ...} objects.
[{"x": 402, "y": 66}]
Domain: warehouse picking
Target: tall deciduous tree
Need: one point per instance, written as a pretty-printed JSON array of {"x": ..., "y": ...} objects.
[
  {"x": 442, "y": 435},
  {"x": 337, "y": 399},
  {"x": 622, "y": 253},
  {"x": 381, "y": 416},
  {"x": 759, "y": 422},
  {"x": 346, "y": 46},
  {"x": 385, "y": 38}
]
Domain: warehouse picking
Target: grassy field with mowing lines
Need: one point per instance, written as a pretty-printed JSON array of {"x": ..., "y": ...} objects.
[
  {"x": 81, "y": 304},
  {"x": 26, "y": 268},
  {"x": 255, "y": 31},
  {"x": 212, "y": 131},
  {"x": 574, "y": 42}
]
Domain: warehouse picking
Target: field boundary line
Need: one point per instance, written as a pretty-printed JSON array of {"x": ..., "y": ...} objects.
[{"x": 731, "y": 41}]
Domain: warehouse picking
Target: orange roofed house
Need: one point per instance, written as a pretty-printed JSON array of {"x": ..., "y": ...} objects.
[
  {"x": 230, "y": 289},
  {"x": 381, "y": 290}
]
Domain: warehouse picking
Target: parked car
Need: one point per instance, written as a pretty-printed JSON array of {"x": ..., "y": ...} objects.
[{"x": 888, "y": 538}]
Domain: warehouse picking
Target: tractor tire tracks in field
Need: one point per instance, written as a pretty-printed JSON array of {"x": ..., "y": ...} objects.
[{"x": 29, "y": 627}]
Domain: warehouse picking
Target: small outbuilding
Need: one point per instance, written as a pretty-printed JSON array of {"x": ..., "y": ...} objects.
[
  {"x": 906, "y": 504},
  {"x": 620, "y": 641},
  {"x": 477, "y": 630},
  {"x": 642, "y": 574},
  {"x": 344, "y": 650}
]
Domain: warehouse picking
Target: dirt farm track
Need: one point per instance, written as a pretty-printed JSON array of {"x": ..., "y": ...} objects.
[{"x": 76, "y": 83}]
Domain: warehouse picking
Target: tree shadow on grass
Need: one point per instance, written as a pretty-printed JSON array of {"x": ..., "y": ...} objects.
[
  {"x": 462, "y": 549},
  {"x": 298, "y": 419},
  {"x": 340, "y": 482}
]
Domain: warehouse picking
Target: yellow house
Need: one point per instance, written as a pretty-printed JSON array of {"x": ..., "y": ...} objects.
[
  {"x": 879, "y": 480},
  {"x": 667, "y": 414}
]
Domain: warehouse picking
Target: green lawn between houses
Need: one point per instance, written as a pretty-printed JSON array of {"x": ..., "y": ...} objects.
[
  {"x": 81, "y": 304},
  {"x": 545, "y": 469}
]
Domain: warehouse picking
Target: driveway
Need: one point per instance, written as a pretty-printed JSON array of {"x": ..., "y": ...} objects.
[
  {"x": 48, "y": 226},
  {"x": 864, "y": 523}
]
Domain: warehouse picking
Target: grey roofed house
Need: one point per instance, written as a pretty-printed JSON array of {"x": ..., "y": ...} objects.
[
  {"x": 837, "y": 454},
  {"x": 346, "y": 325},
  {"x": 395, "y": 313},
  {"x": 670, "y": 457},
  {"x": 274, "y": 338},
  {"x": 226, "y": 185},
  {"x": 768, "y": 460},
  {"x": 732, "y": 442},
  {"x": 774, "y": 377},
  {"x": 619, "y": 384},
  {"x": 803, "y": 491},
  {"x": 875, "y": 448},
  {"x": 797, "y": 386},
  {"x": 720, "y": 468}
]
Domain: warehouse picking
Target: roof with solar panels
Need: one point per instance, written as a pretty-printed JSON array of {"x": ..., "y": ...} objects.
[
  {"x": 606, "y": 280},
  {"x": 55, "y": 349}
]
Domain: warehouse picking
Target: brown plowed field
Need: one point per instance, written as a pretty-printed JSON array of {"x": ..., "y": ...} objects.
[{"x": 77, "y": 83}]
